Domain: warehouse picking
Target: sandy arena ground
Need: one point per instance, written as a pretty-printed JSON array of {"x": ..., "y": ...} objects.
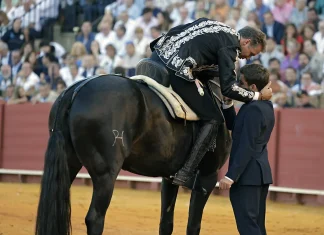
[{"x": 137, "y": 213}]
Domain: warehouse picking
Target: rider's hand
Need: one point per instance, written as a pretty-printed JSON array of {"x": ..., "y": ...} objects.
[
  {"x": 266, "y": 92},
  {"x": 225, "y": 183}
]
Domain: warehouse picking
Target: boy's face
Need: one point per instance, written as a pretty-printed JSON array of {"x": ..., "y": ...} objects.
[{"x": 244, "y": 84}]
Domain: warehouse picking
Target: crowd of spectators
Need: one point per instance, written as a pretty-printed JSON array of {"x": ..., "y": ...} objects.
[{"x": 114, "y": 35}]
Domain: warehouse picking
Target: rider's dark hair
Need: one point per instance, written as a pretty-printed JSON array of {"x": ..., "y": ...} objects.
[
  {"x": 256, "y": 35},
  {"x": 255, "y": 74}
]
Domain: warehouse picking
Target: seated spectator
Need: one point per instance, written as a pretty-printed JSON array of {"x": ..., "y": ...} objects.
[
  {"x": 272, "y": 28},
  {"x": 9, "y": 92},
  {"x": 164, "y": 21},
  {"x": 303, "y": 61},
  {"x": 281, "y": 101},
  {"x": 89, "y": 65},
  {"x": 291, "y": 77},
  {"x": 240, "y": 21},
  {"x": 31, "y": 58},
  {"x": 5, "y": 54},
  {"x": 291, "y": 60},
  {"x": 14, "y": 37},
  {"x": 54, "y": 75},
  {"x": 260, "y": 10},
  {"x": 132, "y": 9},
  {"x": 319, "y": 37},
  {"x": 9, "y": 9},
  {"x": 184, "y": 17},
  {"x": 27, "y": 48},
  {"x": 299, "y": 14},
  {"x": 219, "y": 11},
  {"x": 27, "y": 78},
  {"x": 19, "y": 96},
  {"x": 110, "y": 60},
  {"x": 131, "y": 59},
  {"x": 147, "y": 21},
  {"x": 5, "y": 78},
  {"x": 306, "y": 84},
  {"x": 316, "y": 62},
  {"x": 121, "y": 40},
  {"x": 130, "y": 24},
  {"x": 312, "y": 18},
  {"x": 16, "y": 63},
  {"x": 155, "y": 32},
  {"x": 140, "y": 41},
  {"x": 86, "y": 36},
  {"x": 303, "y": 100},
  {"x": 60, "y": 87},
  {"x": 75, "y": 76},
  {"x": 282, "y": 11},
  {"x": 272, "y": 51},
  {"x": 253, "y": 20},
  {"x": 308, "y": 32},
  {"x": 277, "y": 85},
  {"x": 200, "y": 11},
  {"x": 105, "y": 36},
  {"x": 78, "y": 51},
  {"x": 291, "y": 33},
  {"x": 45, "y": 95}
]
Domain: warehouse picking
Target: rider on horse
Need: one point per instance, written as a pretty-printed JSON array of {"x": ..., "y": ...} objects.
[{"x": 203, "y": 45}]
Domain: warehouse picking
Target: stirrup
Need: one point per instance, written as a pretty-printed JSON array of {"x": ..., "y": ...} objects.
[{"x": 194, "y": 184}]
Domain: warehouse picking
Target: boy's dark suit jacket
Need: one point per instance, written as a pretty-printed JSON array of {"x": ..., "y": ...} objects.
[
  {"x": 249, "y": 167},
  {"x": 248, "y": 163}
]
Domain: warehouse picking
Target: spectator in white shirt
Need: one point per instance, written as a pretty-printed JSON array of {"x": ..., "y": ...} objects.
[
  {"x": 319, "y": 37},
  {"x": 131, "y": 59},
  {"x": 130, "y": 24},
  {"x": 147, "y": 21},
  {"x": 110, "y": 60},
  {"x": 45, "y": 95},
  {"x": 121, "y": 39},
  {"x": 140, "y": 41},
  {"x": 240, "y": 21},
  {"x": 28, "y": 78},
  {"x": 272, "y": 51},
  {"x": 105, "y": 36},
  {"x": 184, "y": 17},
  {"x": 4, "y": 53}
]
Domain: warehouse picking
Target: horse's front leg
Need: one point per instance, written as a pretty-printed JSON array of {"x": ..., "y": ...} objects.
[
  {"x": 169, "y": 194},
  {"x": 198, "y": 202}
]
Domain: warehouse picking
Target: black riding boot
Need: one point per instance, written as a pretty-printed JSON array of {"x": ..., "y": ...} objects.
[{"x": 184, "y": 177}]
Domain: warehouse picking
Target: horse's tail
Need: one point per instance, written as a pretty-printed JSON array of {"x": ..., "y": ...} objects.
[{"x": 54, "y": 208}]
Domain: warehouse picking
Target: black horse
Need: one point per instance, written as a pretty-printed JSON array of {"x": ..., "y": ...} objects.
[{"x": 111, "y": 123}]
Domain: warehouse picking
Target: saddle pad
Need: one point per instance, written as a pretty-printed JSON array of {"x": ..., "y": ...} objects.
[{"x": 176, "y": 106}]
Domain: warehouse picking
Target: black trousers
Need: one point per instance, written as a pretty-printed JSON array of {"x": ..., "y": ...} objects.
[
  {"x": 249, "y": 206},
  {"x": 203, "y": 106}
]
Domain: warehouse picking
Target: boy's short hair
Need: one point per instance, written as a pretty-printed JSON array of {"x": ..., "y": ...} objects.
[{"x": 255, "y": 74}]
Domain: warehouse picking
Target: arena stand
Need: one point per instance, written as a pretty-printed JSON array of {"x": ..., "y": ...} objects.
[{"x": 46, "y": 45}]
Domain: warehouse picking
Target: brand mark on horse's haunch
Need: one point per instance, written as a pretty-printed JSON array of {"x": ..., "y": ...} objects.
[{"x": 116, "y": 134}]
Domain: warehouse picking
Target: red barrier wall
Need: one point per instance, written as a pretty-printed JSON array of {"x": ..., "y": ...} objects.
[
  {"x": 296, "y": 146},
  {"x": 1, "y": 129},
  {"x": 25, "y": 136},
  {"x": 300, "y": 159}
]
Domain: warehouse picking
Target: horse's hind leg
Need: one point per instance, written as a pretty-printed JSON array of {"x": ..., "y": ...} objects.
[
  {"x": 198, "y": 202},
  {"x": 169, "y": 194},
  {"x": 103, "y": 170}
]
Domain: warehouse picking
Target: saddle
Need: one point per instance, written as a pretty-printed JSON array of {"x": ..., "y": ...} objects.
[
  {"x": 157, "y": 79},
  {"x": 156, "y": 76}
]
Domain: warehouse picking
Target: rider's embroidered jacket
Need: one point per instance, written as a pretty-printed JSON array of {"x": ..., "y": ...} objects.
[{"x": 200, "y": 45}]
